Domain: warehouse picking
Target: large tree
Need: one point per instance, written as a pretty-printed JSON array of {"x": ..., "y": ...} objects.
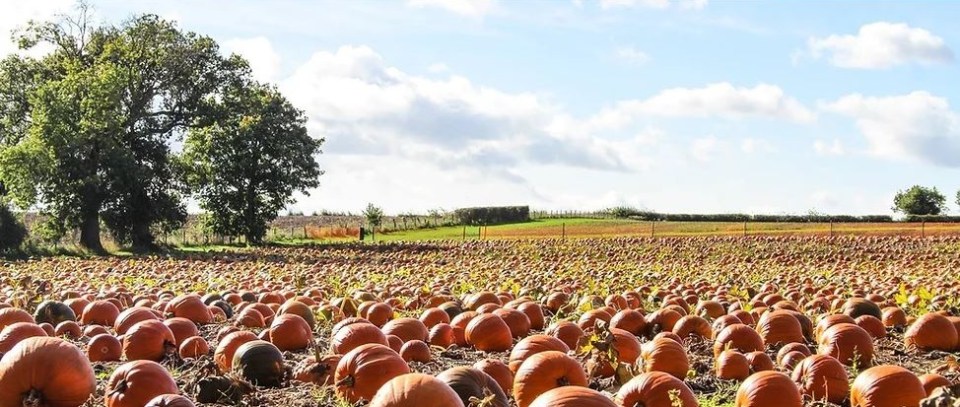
[
  {"x": 918, "y": 200},
  {"x": 89, "y": 127},
  {"x": 246, "y": 166}
]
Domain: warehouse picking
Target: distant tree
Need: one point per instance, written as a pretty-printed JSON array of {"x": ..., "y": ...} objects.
[
  {"x": 13, "y": 233},
  {"x": 958, "y": 198},
  {"x": 918, "y": 200},
  {"x": 374, "y": 216},
  {"x": 246, "y": 166}
]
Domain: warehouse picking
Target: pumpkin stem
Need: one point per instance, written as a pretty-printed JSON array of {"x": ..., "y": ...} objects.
[
  {"x": 33, "y": 398},
  {"x": 347, "y": 381},
  {"x": 563, "y": 381}
]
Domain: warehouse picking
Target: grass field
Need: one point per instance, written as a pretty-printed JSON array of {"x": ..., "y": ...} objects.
[{"x": 590, "y": 228}]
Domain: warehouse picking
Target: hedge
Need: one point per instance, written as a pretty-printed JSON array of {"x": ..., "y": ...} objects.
[{"x": 492, "y": 215}]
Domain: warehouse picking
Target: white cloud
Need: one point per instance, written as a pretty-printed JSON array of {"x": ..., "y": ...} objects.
[
  {"x": 632, "y": 55},
  {"x": 703, "y": 149},
  {"x": 754, "y": 145},
  {"x": 917, "y": 126},
  {"x": 834, "y": 147},
  {"x": 658, "y": 4},
  {"x": 363, "y": 106},
  {"x": 469, "y": 8},
  {"x": 16, "y": 14},
  {"x": 881, "y": 45},
  {"x": 438, "y": 68},
  {"x": 264, "y": 61},
  {"x": 718, "y": 100}
]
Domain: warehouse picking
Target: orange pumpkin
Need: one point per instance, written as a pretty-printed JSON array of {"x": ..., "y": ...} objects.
[
  {"x": 872, "y": 325},
  {"x": 931, "y": 381},
  {"x": 441, "y": 335},
  {"x": 532, "y": 345},
  {"x": 656, "y": 389},
  {"x": 134, "y": 384},
  {"x": 416, "y": 351},
  {"x": 317, "y": 371},
  {"x": 290, "y": 332},
  {"x": 566, "y": 331},
  {"x": 822, "y": 377},
  {"x": 779, "y": 328},
  {"x": 545, "y": 371},
  {"x": 129, "y": 317},
  {"x": 47, "y": 369},
  {"x": 738, "y": 336},
  {"x": 534, "y": 313},
  {"x": 848, "y": 343},
  {"x": 351, "y": 336},
  {"x": 182, "y": 329},
  {"x": 101, "y": 312},
  {"x": 362, "y": 371},
  {"x": 68, "y": 329},
  {"x": 931, "y": 332},
  {"x": 194, "y": 347},
  {"x": 190, "y": 307},
  {"x": 517, "y": 321},
  {"x": 573, "y": 396},
  {"x": 489, "y": 333},
  {"x": 732, "y": 365},
  {"x": 148, "y": 340},
  {"x": 499, "y": 371},
  {"x": 665, "y": 355},
  {"x": 14, "y": 333},
  {"x": 434, "y": 316},
  {"x": 768, "y": 388},
  {"x": 629, "y": 320},
  {"x": 886, "y": 386},
  {"x": 415, "y": 389},
  {"x": 469, "y": 382},
  {"x": 693, "y": 325},
  {"x": 223, "y": 355},
  {"x": 170, "y": 400},
  {"x": 407, "y": 329}
]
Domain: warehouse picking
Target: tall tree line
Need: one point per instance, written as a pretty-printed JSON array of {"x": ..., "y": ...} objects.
[{"x": 86, "y": 131}]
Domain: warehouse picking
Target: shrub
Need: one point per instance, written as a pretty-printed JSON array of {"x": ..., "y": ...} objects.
[
  {"x": 12, "y": 232},
  {"x": 493, "y": 215}
]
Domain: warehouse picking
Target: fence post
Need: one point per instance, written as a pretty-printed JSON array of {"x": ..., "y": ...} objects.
[
  {"x": 653, "y": 228},
  {"x": 744, "y": 228},
  {"x": 831, "y": 228},
  {"x": 563, "y": 231},
  {"x": 923, "y": 227},
  {"x": 464, "y": 232}
]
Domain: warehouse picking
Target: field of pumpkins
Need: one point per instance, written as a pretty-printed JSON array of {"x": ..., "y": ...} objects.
[{"x": 667, "y": 322}]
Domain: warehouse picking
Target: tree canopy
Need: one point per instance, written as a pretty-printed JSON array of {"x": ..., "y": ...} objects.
[
  {"x": 246, "y": 166},
  {"x": 918, "y": 200}
]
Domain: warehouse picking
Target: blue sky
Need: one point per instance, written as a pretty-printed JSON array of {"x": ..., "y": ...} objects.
[{"x": 677, "y": 106}]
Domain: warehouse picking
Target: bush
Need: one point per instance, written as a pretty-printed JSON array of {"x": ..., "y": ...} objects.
[
  {"x": 492, "y": 215},
  {"x": 12, "y": 232},
  {"x": 932, "y": 218}
]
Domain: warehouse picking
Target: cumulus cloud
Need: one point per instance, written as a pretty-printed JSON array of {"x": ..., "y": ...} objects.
[
  {"x": 632, "y": 55},
  {"x": 264, "y": 61},
  {"x": 703, "y": 149},
  {"x": 917, "y": 126},
  {"x": 364, "y": 106},
  {"x": 658, "y": 4},
  {"x": 756, "y": 146},
  {"x": 469, "y": 8},
  {"x": 881, "y": 45}
]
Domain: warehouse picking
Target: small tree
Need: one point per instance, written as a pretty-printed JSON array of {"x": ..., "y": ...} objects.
[
  {"x": 247, "y": 165},
  {"x": 374, "y": 217},
  {"x": 12, "y": 232},
  {"x": 918, "y": 200}
]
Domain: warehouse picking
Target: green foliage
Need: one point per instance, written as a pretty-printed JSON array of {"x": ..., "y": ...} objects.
[
  {"x": 493, "y": 215},
  {"x": 246, "y": 166},
  {"x": 86, "y": 129},
  {"x": 12, "y": 232},
  {"x": 918, "y": 200},
  {"x": 374, "y": 215}
]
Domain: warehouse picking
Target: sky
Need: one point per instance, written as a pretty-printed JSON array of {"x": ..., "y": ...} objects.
[{"x": 680, "y": 106}]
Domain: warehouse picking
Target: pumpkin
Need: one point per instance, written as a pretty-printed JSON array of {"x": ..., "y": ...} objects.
[
  {"x": 759, "y": 361},
  {"x": 182, "y": 329},
  {"x": 693, "y": 325},
  {"x": 395, "y": 343},
  {"x": 662, "y": 320},
  {"x": 194, "y": 347},
  {"x": 545, "y": 371},
  {"x": 53, "y": 313},
  {"x": 566, "y": 331},
  {"x": 665, "y": 355},
  {"x": 822, "y": 377},
  {"x": 16, "y": 332},
  {"x": 170, "y": 400},
  {"x": 768, "y": 388},
  {"x": 894, "y": 317},
  {"x": 931, "y": 332},
  {"x": 886, "y": 386},
  {"x": 441, "y": 335},
  {"x": 732, "y": 365},
  {"x": 290, "y": 332},
  {"x": 534, "y": 313},
  {"x": 407, "y": 329},
  {"x": 793, "y": 347},
  {"x": 68, "y": 329},
  {"x": 190, "y": 307},
  {"x": 227, "y": 347},
  {"x": 134, "y": 384},
  {"x": 488, "y": 333},
  {"x": 259, "y": 362},
  {"x": 148, "y": 340},
  {"x": 416, "y": 351},
  {"x": 104, "y": 348},
  {"x": 931, "y": 381},
  {"x": 100, "y": 312},
  {"x": 588, "y": 320},
  {"x": 848, "y": 343},
  {"x": 316, "y": 370},
  {"x": 48, "y": 370},
  {"x": 779, "y": 328},
  {"x": 532, "y": 345},
  {"x": 738, "y": 336},
  {"x": 573, "y": 396},
  {"x": 872, "y": 325},
  {"x": 130, "y": 316},
  {"x": 469, "y": 382},
  {"x": 476, "y": 300},
  {"x": 856, "y": 307},
  {"x": 459, "y": 324},
  {"x": 362, "y": 371},
  {"x": 517, "y": 321},
  {"x": 831, "y": 320},
  {"x": 415, "y": 390},
  {"x": 656, "y": 389},
  {"x": 433, "y": 316},
  {"x": 723, "y": 322},
  {"x": 629, "y": 320},
  {"x": 302, "y": 310},
  {"x": 351, "y": 336},
  {"x": 499, "y": 371}
]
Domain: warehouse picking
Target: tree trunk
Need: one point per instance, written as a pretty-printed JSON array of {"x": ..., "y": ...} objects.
[
  {"x": 90, "y": 233},
  {"x": 142, "y": 238}
]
